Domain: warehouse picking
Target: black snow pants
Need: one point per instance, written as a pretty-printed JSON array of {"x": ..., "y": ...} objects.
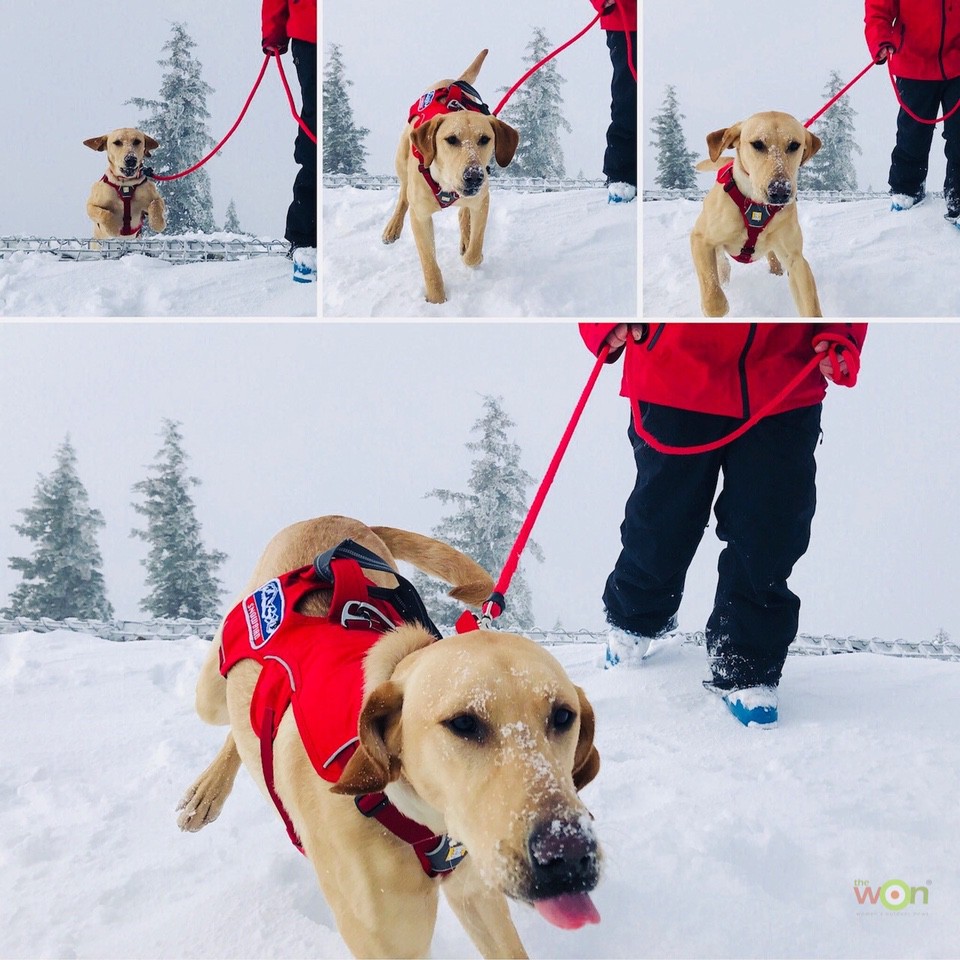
[
  {"x": 302, "y": 216},
  {"x": 910, "y": 158},
  {"x": 620, "y": 157},
  {"x": 764, "y": 513}
]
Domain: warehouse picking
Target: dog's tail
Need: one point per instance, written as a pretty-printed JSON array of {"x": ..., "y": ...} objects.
[
  {"x": 705, "y": 165},
  {"x": 470, "y": 74},
  {"x": 471, "y": 583}
]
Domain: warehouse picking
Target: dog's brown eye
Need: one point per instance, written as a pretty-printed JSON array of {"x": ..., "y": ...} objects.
[
  {"x": 136, "y": 143},
  {"x": 452, "y": 140},
  {"x": 484, "y": 140},
  {"x": 758, "y": 145},
  {"x": 793, "y": 146},
  {"x": 563, "y": 718},
  {"x": 118, "y": 143},
  {"x": 466, "y": 726}
]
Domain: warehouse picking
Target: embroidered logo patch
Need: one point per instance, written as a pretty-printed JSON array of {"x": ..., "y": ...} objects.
[
  {"x": 425, "y": 101},
  {"x": 264, "y": 610}
]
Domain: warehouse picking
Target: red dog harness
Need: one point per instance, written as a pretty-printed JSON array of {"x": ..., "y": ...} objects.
[
  {"x": 126, "y": 194},
  {"x": 458, "y": 96},
  {"x": 315, "y": 665},
  {"x": 756, "y": 216}
]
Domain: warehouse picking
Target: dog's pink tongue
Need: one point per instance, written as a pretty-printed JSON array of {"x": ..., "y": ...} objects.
[{"x": 569, "y": 911}]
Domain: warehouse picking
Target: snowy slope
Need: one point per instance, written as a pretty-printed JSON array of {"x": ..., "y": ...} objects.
[
  {"x": 38, "y": 285},
  {"x": 868, "y": 262},
  {"x": 568, "y": 254},
  {"x": 719, "y": 841}
]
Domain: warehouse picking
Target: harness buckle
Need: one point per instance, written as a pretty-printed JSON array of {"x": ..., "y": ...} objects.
[{"x": 376, "y": 808}]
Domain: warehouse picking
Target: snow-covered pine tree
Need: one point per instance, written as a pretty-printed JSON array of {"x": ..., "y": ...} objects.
[
  {"x": 178, "y": 122},
  {"x": 535, "y": 110},
  {"x": 343, "y": 149},
  {"x": 831, "y": 168},
  {"x": 487, "y": 519},
  {"x": 232, "y": 222},
  {"x": 63, "y": 577},
  {"x": 180, "y": 572},
  {"x": 674, "y": 161}
]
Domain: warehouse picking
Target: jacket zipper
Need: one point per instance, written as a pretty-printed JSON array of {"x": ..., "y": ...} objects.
[
  {"x": 742, "y": 367},
  {"x": 943, "y": 37},
  {"x": 656, "y": 336}
]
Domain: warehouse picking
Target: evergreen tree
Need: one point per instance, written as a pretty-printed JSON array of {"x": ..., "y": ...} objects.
[
  {"x": 831, "y": 168},
  {"x": 63, "y": 577},
  {"x": 487, "y": 519},
  {"x": 178, "y": 122},
  {"x": 343, "y": 149},
  {"x": 232, "y": 222},
  {"x": 535, "y": 110},
  {"x": 674, "y": 161},
  {"x": 180, "y": 572}
]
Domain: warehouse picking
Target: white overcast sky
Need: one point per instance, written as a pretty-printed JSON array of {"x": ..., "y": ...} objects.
[
  {"x": 66, "y": 72},
  {"x": 393, "y": 51},
  {"x": 734, "y": 59}
]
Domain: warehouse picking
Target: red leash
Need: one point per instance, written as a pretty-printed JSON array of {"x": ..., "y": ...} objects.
[
  {"x": 560, "y": 49},
  {"x": 833, "y": 352},
  {"x": 495, "y": 603},
  {"x": 263, "y": 69},
  {"x": 838, "y": 95}
]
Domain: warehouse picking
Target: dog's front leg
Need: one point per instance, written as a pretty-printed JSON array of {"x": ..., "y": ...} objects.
[
  {"x": 803, "y": 286},
  {"x": 483, "y": 912},
  {"x": 156, "y": 215},
  {"x": 473, "y": 225},
  {"x": 713, "y": 301},
  {"x": 426, "y": 246},
  {"x": 106, "y": 220},
  {"x": 205, "y": 797}
]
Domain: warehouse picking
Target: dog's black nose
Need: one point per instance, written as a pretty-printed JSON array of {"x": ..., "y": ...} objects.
[
  {"x": 564, "y": 858},
  {"x": 472, "y": 179},
  {"x": 779, "y": 191}
]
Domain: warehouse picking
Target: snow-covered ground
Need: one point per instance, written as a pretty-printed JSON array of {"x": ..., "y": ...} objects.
[
  {"x": 38, "y": 285},
  {"x": 868, "y": 262},
  {"x": 566, "y": 254},
  {"x": 719, "y": 841}
]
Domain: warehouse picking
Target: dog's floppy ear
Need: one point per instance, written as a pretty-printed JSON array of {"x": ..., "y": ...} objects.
[
  {"x": 150, "y": 144},
  {"x": 720, "y": 140},
  {"x": 506, "y": 142},
  {"x": 811, "y": 144},
  {"x": 373, "y": 766},
  {"x": 424, "y": 138},
  {"x": 586, "y": 760},
  {"x": 96, "y": 143}
]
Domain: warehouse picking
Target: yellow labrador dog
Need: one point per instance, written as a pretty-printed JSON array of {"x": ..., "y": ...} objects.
[
  {"x": 443, "y": 160},
  {"x": 123, "y": 198},
  {"x": 751, "y": 211},
  {"x": 480, "y": 737}
]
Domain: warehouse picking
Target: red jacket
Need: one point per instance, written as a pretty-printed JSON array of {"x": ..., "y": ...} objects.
[
  {"x": 622, "y": 17},
  {"x": 730, "y": 369},
  {"x": 924, "y": 33},
  {"x": 284, "y": 20}
]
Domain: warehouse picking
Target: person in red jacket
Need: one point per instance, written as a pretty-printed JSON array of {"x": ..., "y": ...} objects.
[
  {"x": 293, "y": 23},
  {"x": 696, "y": 383},
  {"x": 619, "y": 19},
  {"x": 922, "y": 40}
]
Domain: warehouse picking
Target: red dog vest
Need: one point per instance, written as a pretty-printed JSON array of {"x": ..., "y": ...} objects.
[
  {"x": 315, "y": 666},
  {"x": 755, "y": 215},
  {"x": 458, "y": 96}
]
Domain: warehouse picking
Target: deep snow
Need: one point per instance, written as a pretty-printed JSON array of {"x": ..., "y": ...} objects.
[
  {"x": 38, "y": 285},
  {"x": 719, "y": 841},
  {"x": 868, "y": 262},
  {"x": 566, "y": 254}
]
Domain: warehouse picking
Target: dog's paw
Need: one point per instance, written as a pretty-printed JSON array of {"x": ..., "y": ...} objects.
[
  {"x": 392, "y": 232},
  {"x": 472, "y": 260},
  {"x": 197, "y": 808}
]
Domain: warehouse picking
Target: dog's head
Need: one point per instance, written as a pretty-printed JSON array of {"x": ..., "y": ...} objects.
[
  {"x": 125, "y": 148},
  {"x": 770, "y": 149},
  {"x": 484, "y": 736},
  {"x": 458, "y": 147}
]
